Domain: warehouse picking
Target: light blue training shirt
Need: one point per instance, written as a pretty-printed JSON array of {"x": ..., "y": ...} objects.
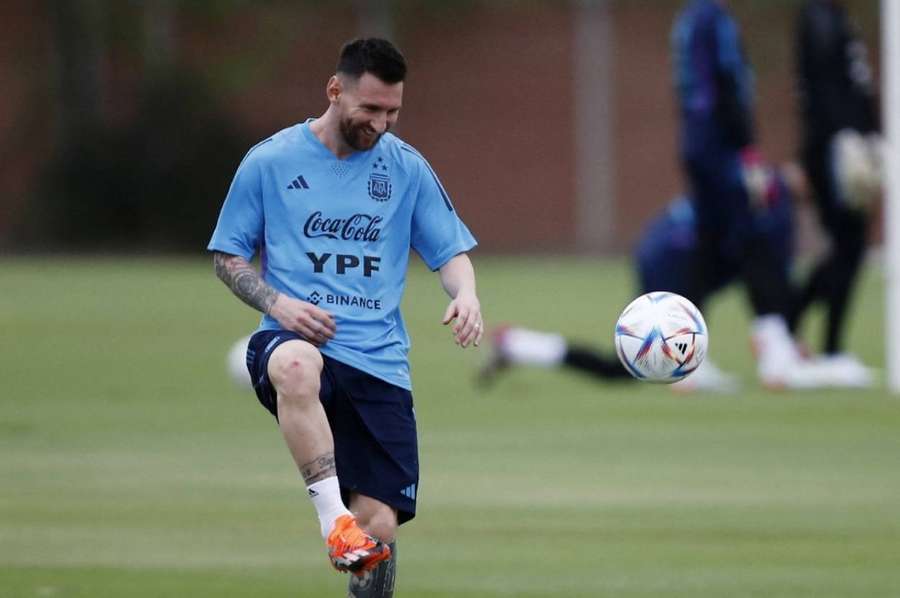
[{"x": 337, "y": 233}]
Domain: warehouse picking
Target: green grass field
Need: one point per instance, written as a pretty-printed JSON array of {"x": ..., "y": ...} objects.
[{"x": 130, "y": 467}]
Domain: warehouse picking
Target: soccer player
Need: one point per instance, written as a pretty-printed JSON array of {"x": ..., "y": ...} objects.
[
  {"x": 836, "y": 99},
  {"x": 714, "y": 88},
  {"x": 663, "y": 260},
  {"x": 332, "y": 206}
]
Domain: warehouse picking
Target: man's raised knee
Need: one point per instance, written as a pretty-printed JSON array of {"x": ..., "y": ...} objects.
[{"x": 295, "y": 368}]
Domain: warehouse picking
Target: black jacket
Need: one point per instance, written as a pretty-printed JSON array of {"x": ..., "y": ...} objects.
[{"x": 835, "y": 79}]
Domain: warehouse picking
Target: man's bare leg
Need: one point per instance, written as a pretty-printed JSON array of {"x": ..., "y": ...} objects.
[
  {"x": 380, "y": 521},
  {"x": 295, "y": 369}
]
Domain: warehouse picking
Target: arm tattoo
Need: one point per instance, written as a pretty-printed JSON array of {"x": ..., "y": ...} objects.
[
  {"x": 318, "y": 469},
  {"x": 244, "y": 281}
]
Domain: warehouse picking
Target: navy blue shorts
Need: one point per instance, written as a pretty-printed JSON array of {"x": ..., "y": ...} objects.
[{"x": 372, "y": 421}]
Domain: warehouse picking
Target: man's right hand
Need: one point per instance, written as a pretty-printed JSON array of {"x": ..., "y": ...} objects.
[{"x": 314, "y": 323}]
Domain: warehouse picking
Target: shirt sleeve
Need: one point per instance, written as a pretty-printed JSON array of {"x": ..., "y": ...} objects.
[
  {"x": 437, "y": 232},
  {"x": 240, "y": 225}
]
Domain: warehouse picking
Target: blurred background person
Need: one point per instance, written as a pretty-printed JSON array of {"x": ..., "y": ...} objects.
[
  {"x": 714, "y": 91},
  {"x": 839, "y": 120},
  {"x": 664, "y": 259}
]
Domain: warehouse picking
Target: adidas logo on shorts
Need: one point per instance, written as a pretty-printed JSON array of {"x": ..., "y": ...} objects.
[{"x": 409, "y": 491}]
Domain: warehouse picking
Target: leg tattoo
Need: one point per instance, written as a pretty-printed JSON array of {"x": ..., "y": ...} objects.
[{"x": 318, "y": 469}]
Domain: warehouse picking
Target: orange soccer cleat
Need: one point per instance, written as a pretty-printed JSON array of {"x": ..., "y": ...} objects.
[{"x": 352, "y": 549}]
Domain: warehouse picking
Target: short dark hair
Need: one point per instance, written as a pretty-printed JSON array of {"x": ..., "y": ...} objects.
[{"x": 372, "y": 55}]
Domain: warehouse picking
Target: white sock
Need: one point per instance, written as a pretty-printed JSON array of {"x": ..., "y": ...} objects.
[
  {"x": 326, "y": 498},
  {"x": 529, "y": 347}
]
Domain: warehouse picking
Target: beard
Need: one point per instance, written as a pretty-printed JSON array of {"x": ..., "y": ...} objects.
[{"x": 357, "y": 137}]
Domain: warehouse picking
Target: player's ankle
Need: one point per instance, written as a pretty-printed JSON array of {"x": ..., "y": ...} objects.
[{"x": 326, "y": 498}]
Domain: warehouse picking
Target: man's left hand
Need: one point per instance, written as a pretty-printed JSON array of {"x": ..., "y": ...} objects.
[{"x": 465, "y": 313}]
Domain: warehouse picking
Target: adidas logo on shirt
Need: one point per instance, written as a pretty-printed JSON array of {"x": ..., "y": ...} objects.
[{"x": 298, "y": 183}]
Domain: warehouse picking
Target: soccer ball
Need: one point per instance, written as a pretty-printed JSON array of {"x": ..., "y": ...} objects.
[
  {"x": 236, "y": 363},
  {"x": 661, "y": 337}
]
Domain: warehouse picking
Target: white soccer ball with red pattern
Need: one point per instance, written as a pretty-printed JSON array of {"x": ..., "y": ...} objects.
[{"x": 661, "y": 337}]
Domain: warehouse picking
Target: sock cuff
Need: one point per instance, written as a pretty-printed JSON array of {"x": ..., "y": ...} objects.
[{"x": 328, "y": 484}]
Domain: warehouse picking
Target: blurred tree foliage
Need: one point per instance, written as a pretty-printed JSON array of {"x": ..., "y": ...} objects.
[
  {"x": 153, "y": 180},
  {"x": 156, "y": 183}
]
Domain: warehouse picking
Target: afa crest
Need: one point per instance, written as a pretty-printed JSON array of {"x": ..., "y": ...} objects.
[
  {"x": 379, "y": 186},
  {"x": 379, "y": 181}
]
